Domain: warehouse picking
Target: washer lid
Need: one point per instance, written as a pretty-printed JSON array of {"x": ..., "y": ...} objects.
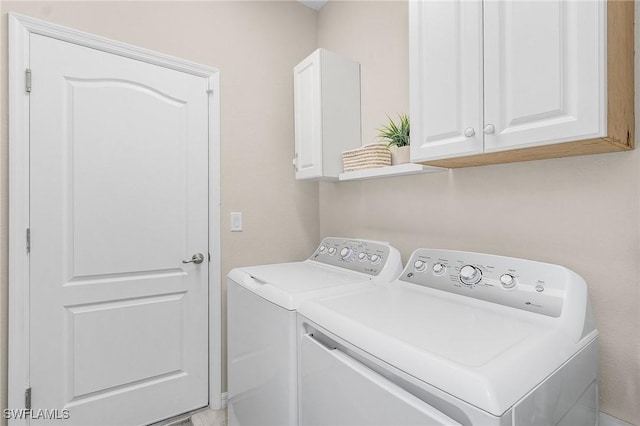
[
  {"x": 485, "y": 354},
  {"x": 287, "y": 284}
]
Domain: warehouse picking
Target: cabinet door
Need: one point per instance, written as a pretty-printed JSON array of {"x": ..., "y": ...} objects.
[
  {"x": 545, "y": 72},
  {"x": 446, "y": 78},
  {"x": 308, "y": 117}
]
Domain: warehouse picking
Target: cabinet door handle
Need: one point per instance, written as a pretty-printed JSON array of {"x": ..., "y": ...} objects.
[
  {"x": 489, "y": 128},
  {"x": 468, "y": 132}
]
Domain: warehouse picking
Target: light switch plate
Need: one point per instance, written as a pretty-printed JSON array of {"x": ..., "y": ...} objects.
[{"x": 236, "y": 221}]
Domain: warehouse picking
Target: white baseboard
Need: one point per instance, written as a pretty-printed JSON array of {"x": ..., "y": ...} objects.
[{"x": 607, "y": 420}]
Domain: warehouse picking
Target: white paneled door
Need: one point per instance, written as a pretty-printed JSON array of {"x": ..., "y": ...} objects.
[{"x": 118, "y": 200}]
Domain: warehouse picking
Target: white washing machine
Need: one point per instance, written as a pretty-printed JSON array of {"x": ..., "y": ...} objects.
[
  {"x": 459, "y": 339},
  {"x": 261, "y": 330}
]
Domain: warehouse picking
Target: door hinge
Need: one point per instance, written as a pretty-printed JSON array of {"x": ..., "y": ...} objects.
[
  {"x": 209, "y": 257},
  {"x": 28, "y": 240},
  {"x": 27, "y": 399},
  {"x": 27, "y": 80}
]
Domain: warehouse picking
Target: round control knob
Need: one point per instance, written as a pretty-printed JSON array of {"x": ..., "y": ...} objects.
[
  {"x": 508, "y": 281},
  {"x": 375, "y": 259},
  {"x": 332, "y": 251},
  {"x": 362, "y": 257},
  {"x": 420, "y": 265},
  {"x": 439, "y": 269},
  {"x": 470, "y": 275},
  {"x": 346, "y": 253},
  {"x": 323, "y": 249}
]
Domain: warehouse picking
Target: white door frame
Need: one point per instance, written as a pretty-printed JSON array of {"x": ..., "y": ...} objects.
[{"x": 20, "y": 27}]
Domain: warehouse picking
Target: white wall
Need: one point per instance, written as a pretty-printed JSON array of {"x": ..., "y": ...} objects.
[
  {"x": 580, "y": 212},
  {"x": 255, "y": 45}
]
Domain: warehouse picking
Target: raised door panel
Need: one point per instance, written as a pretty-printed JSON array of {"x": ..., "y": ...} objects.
[
  {"x": 545, "y": 73},
  {"x": 446, "y": 79},
  {"x": 103, "y": 157},
  {"x": 308, "y": 117}
]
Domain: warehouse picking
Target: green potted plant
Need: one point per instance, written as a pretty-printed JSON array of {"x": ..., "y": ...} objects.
[{"x": 397, "y": 137}]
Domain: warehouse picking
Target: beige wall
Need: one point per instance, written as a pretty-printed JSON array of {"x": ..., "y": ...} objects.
[
  {"x": 579, "y": 212},
  {"x": 255, "y": 45}
]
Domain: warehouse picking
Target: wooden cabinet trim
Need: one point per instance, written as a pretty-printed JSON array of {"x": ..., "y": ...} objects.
[{"x": 620, "y": 73}]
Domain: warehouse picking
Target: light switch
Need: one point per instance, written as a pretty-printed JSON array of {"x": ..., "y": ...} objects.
[{"x": 236, "y": 221}]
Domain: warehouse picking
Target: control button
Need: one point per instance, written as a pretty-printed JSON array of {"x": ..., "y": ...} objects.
[
  {"x": 439, "y": 269},
  {"x": 332, "y": 251},
  {"x": 539, "y": 288},
  {"x": 470, "y": 275},
  {"x": 323, "y": 249},
  {"x": 375, "y": 259},
  {"x": 420, "y": 265},
  {"x": 346, "y": 253},
  {"x": 508, "y": 281},
  {"x": 362, "y": 257}
]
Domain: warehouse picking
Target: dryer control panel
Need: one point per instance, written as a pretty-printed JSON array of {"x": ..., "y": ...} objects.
[
  {"x": 368, "y": 257},
  {"x": 524, "y": 284}
]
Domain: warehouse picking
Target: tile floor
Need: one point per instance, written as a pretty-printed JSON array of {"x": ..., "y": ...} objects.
[{"x": 210, "y": 418}]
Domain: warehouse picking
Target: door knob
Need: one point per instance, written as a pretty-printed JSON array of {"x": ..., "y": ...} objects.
[
  {"x": 489, "y": 128},
  {"x": 468, "y": 132},
  {"x": 196, "y": 258}
]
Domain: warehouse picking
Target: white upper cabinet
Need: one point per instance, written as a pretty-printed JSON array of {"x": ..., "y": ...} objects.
[
  {"x": 446, "y": 78},
  {"x": 509, "y": 80},
  {"x": 327, "y": 113}
]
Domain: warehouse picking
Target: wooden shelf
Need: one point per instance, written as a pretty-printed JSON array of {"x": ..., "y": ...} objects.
[{"x": 398, "y": 170}]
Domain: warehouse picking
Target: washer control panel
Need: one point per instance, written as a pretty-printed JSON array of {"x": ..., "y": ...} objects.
[
  {"x": 364, "y": 256},
  {"x": 524, "y": 284}
]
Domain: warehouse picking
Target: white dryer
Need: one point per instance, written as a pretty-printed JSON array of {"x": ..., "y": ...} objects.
[
  {"x": 261, "y": 329},
  {"x": 460, "y": 338}
]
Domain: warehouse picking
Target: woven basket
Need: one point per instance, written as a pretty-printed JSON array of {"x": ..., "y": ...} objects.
[{"x": 366, "y": 157}]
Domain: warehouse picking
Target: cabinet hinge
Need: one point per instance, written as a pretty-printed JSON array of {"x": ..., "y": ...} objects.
[
  {"x": 27, "y": 398},
  {"x": 28, "y": 240},
  {"x": 27, "y": 80},
  {"x": 209, "y": 257}
]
